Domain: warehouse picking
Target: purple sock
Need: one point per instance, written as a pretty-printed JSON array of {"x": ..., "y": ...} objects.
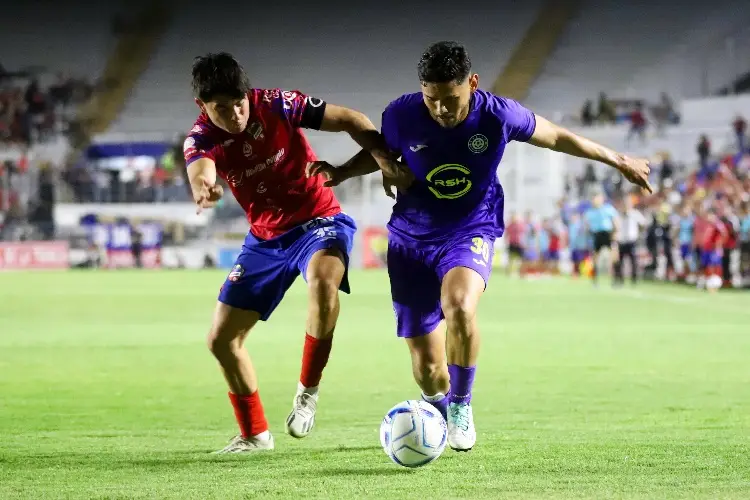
[
  {"x": 441, "y": 404},
  {"x": 462, "y": 380}
]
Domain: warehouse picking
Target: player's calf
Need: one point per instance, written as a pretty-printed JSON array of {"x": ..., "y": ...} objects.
[
  {"x": 460, "y": 294},
  {"x": 324, "y": 274},
  {"x": 225, "y": 341},
  {"x": 429, "y": 366}
]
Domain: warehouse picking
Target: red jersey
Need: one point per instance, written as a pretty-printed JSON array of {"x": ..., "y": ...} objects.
[
  {"x": 714, "y": 235},
  {"x": 516, "y": 232},
  {"x": 700, "y": 229},
  {"x": 265, "y": 165},
  {"x": 554, "y": 241}
]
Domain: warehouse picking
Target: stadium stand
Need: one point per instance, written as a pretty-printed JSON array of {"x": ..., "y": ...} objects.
[
  {"x": 138, "y": 119},
  {"x": 639, "y": 53},
  {"x": 329, "y": 69}
]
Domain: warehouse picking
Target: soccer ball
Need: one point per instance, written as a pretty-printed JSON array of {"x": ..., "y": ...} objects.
[{"x": 413, "y": 433}]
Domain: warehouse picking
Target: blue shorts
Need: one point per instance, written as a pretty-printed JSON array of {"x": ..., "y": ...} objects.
[
  {"x": 416, "y": 276},
  {"x": 530, "y": 255},
  {"x": 685, "y": 250},
  {"x": 551, "y": 255},
  {"x": 710, "y": 258},
  {"x": 265, "y": 269}
]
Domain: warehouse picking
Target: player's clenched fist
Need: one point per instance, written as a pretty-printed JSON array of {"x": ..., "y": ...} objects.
[
  {"x": 396, "y": 175},
  {"x": 636, "y": 170},
  {"x": 209, "y": 195}
]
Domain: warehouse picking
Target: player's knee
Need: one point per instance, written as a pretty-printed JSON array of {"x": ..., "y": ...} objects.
[
  {"x": 459, "y": 307},
  {"x": 221, "y": 341},
  {"x": 324, "y": 294}
]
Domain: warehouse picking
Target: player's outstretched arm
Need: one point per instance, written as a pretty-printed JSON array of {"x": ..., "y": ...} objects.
[
  {"x": 358, "y": 126},
  {"x": 202, "y": 176},
  {"x": 551, "y": 136},
  {"x": 364, "y": 133},
  {"x": 360, "y": 164}
]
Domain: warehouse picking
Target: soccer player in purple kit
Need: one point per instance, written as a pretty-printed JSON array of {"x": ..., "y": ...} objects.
[{"x": 452, "y": 136}]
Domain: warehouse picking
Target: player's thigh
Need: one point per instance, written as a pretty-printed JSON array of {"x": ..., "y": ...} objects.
[
  {"x": 415, "y": 290},
  {"x": 464, "y": 270},
  {"x": 324, "y": 274},
  {"x": 258, "y": 281},
  {"x": 230, "y": 325},
  {"x": 322, "y": 254}
]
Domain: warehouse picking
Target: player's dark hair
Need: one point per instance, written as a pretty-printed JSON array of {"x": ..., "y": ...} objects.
[
  {"x": 219, "y": 74},
  {"x": 444, "y": 62}
]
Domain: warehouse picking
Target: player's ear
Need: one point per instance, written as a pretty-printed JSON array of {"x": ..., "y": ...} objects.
[
  {"x": 200, "y": 104},
  {"x": 474, "y": 82}
]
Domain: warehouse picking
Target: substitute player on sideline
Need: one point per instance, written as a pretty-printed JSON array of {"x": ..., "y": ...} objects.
[
  {"x": 251, "y": 138},
  {"x": 441, "y": 234}
]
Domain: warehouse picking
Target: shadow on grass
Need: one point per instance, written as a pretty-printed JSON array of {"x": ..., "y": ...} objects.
[
  {"x": 187, "y": 458},
  {"x": 363, "y": 471}
]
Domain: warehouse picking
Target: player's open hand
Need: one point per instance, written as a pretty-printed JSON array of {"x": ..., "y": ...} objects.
[
  {"x": 636, "y": 170},
  {"x": 209, "y": 195},
  {"x": 333, "y": 176}
]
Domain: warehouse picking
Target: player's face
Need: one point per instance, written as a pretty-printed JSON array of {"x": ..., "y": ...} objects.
[
  {"x": 449, "y": 103},
  {"x": 227, "y": 113}
]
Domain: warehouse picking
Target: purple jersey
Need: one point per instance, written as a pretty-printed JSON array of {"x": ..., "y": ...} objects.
[{"x": 456, "y": 190}]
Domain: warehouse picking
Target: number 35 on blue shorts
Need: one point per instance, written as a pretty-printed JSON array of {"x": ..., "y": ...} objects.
[{"x": 265, "y": 269}]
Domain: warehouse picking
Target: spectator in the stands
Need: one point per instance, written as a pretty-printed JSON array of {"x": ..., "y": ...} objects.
[
  {"x": 704, "y": 150},
  {"x": 61, "y": 92},
  {"x": 589, "y": 181},
  {"x": 587, "y": 113},
  {"x": 39, "y": 115},
  {"x": 606, "y": 112},
  {"x": 740, "y": 131},
  {"x": 668, "y": 108},
  {"x": 666, "y": 168},
  {"x": 637, "y": 124}
]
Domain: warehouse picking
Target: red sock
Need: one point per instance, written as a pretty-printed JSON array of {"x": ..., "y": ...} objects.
[
  {"x": 249, "y": 413},
  {"x": 314, "y": 359}
]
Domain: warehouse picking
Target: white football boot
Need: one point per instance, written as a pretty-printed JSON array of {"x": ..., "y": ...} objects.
[
  {"x": 301, "y": 420},
  {"x": 461, "y": 432},
  {"x": 238, "y": 444}
]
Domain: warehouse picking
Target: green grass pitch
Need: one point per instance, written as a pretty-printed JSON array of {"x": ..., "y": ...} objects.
[{"x": 108, "y": 391}]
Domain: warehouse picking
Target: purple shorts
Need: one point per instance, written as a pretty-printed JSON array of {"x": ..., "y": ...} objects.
[
  {"x": 416, "y": 276},
  {"x": 578, "y": 256}
]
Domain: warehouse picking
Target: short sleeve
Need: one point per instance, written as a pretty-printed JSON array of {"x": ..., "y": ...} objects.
[
  {"x": 297, "y": 108},
  {"x": 613, "y": 212},
  {"x": 519, "y": 122},
  {"x": 389, "y": 128},
  {"x": 198, "y": 146}
]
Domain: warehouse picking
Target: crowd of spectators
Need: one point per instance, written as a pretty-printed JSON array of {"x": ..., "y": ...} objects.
[
  {"x": 31, "y": 113},
  {"x": 636, "y": 112},
  {"x": 716, "y": 187}
]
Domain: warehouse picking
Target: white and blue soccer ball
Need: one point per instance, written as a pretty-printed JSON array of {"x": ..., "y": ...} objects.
[{"x": 413, "y": 433}]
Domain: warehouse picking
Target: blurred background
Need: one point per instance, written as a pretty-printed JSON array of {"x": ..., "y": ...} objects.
[{"x": 95, "y": 104}]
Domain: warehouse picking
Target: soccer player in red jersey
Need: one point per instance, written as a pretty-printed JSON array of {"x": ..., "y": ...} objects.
[
  {"x": 516, "y": 233},
  {"x": 251, "y": 138},
  {"x": 713, "y": 236}
]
